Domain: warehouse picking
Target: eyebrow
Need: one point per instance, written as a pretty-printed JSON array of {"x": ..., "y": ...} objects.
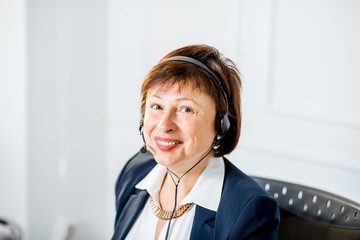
[{"x": 178, "y": 99}]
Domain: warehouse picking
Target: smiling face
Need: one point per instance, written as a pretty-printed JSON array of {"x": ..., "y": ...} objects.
[{"x": 179, "y": 126}]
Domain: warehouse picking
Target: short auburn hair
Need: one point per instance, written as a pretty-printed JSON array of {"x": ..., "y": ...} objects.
[{"x": 170, "y": 73}]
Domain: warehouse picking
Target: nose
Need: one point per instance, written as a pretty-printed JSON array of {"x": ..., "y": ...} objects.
[{"x": 167, "y": 123}]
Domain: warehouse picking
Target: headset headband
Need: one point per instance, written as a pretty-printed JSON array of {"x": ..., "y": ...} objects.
[{"x": 203, "y": 66}]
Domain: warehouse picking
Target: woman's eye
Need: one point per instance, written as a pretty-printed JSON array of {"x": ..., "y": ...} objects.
[
  {"x": 186, "y": 110},
  {"x": 156, "y": 107}
]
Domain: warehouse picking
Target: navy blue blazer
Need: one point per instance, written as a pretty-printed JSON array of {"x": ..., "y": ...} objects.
[{"x": 246, "y": 211}]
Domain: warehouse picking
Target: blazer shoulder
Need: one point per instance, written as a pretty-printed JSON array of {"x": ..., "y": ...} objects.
[
  {"x": 241, "y": 185},
  {"x": 136, "y": 168},
  {"x": 133, "y": 172},
  {"x": 242, "y": 202}
]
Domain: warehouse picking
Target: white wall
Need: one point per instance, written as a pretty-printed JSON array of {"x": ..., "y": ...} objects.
[
  {"x": 13, "y": 198},
  {"x": 52, "y": 108},
  {"x": 66, "y": 111}
]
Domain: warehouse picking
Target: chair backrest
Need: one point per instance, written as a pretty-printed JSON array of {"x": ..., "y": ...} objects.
[
  {"x": 309, "y": 213},
  {"x": 9, "y": 230}
]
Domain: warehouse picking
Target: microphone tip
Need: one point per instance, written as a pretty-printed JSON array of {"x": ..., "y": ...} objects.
[{"x": 142, "y": 150}]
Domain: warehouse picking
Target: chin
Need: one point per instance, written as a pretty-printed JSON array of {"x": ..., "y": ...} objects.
[{"x": 164, "y": 159}]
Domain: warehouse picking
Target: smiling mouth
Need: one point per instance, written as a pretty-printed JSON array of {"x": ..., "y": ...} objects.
[{"x": 166, "y": 145}]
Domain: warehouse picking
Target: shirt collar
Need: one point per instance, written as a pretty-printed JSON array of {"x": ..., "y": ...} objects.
[{"x": 206, "y": 192}]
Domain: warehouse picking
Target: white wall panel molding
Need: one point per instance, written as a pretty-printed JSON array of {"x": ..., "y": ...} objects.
[
  {"x": 314, "y": 61},
  {"x": 301, "y": 107}
]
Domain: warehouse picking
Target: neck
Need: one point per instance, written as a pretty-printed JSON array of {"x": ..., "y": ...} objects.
[
  {"x": 174, "y": 172},
  {"x": 185, "y": 180}
]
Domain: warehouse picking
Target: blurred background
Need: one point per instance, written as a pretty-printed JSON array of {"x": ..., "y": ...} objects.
[{"x": 70, "y": 77}]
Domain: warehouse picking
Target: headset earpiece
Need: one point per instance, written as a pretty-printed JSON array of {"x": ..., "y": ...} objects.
[{"x": 222, "y": 124}]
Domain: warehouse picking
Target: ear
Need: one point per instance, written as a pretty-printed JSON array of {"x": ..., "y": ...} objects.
[
  {"x": 216, "y": 143},
  {"x": 141, "y": 125}
]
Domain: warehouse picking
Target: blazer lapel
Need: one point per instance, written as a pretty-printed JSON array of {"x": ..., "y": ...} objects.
[
  {"x": 226, "y": 215},
  {"x": 203, "y": 225},
  {"x": 229, "y": 206},
  {"x": 129, "y": 213}
]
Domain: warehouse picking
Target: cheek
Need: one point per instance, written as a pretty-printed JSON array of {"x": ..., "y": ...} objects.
[
  {"x": 201, "y": 131},
  {"x": 149, "y": 125}
]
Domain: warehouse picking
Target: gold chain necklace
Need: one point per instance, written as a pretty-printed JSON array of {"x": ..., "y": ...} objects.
[{"x": 166, "y": 215}]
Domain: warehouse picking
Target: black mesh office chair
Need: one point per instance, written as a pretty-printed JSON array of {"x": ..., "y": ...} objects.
[
  {"x": 309, "y": 213},
  {"x": 9, "y": 230}
]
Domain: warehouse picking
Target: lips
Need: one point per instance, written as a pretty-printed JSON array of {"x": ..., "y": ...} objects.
[{"x": 167, "y": 144}]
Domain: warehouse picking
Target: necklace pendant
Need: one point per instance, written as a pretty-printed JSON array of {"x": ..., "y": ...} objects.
[{"x": 166, "y": 215}]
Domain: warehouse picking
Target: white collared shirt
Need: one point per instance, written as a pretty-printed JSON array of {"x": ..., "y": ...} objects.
[{"x": 206, "y": 192}]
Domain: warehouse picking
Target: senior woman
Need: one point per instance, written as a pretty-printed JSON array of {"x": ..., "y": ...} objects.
[{"x": 181, "y": 186}]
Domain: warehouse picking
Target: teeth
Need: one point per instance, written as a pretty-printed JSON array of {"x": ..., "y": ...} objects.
[{"x": 167, "y": 143}]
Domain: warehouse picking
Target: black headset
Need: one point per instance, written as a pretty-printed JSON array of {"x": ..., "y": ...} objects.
[{"x": 222, "y": 119}]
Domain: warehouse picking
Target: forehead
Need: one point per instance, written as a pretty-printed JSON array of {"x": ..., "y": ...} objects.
[
  {"x": 180, "y": 83},
  {"x": 177, "y": 89},
  {"x": 182, "y": 92}
]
